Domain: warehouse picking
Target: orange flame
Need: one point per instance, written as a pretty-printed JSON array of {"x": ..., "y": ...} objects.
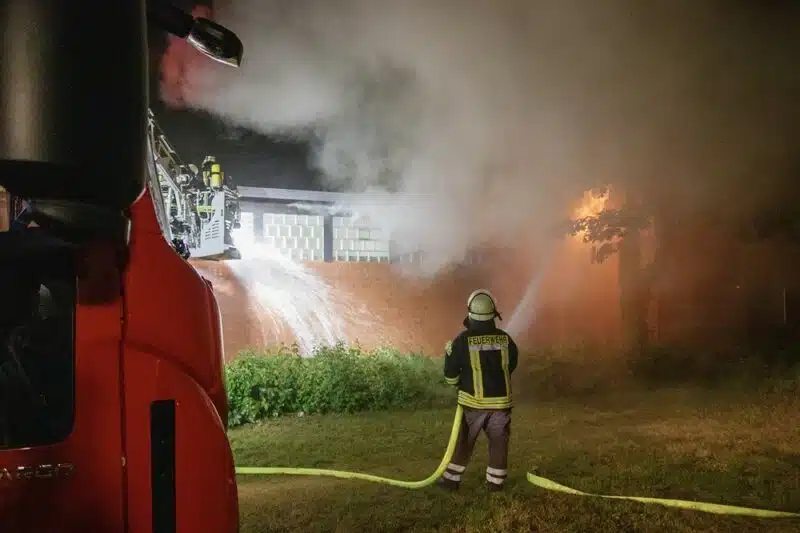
[{"x": 591, "y": 205}]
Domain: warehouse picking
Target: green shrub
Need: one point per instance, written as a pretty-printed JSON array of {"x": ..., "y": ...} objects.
[
  {"x": 577, "y": 371},
  {"x": 585, "y": 370},
  {"x": 710, "y": 366},
  {"x": 338, "y": 379}
]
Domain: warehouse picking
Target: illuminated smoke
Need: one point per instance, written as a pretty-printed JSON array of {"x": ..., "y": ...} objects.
[
  {"x": 503, "y": 112},
  {"x": 178, "y": 58}
]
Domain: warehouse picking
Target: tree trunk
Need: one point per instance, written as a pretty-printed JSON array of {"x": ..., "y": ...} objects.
[
  {"x": 634, "y": 285},
  {"x": 633, "y": 293},
  {"x": 4, "y": 210}
]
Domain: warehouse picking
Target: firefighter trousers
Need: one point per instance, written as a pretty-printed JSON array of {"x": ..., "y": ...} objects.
[{"x": 497, "y": 426}]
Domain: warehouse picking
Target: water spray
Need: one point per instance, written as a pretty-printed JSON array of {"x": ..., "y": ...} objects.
[
  {"x": 525, "y": 312},
  {"x": 289, "y": 293}
]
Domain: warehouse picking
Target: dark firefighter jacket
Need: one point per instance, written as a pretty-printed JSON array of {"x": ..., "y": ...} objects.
[{"x": 480, "y": 361}]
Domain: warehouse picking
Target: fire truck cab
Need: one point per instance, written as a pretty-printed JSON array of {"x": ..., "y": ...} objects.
[{"x": 112, "y": 402}]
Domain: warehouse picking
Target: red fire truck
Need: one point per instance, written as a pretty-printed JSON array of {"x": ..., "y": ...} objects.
[{"x": 112, "y": 404}]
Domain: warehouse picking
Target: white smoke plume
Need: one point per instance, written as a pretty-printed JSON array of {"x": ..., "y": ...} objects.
[{"x": 498, "y": 113}]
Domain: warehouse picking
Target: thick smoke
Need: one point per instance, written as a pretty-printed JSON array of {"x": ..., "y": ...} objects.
[{"x": 498, "y": 114}]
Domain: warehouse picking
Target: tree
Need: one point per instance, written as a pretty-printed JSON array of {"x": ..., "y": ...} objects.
[
  {"x": 618, "y": 230},
  {"x": 607, "y": 229}
]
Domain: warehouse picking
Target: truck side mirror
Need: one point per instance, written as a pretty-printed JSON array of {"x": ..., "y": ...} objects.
[
  {"x": 216, "y": 41},
  {"x": 211, "y": 39}
]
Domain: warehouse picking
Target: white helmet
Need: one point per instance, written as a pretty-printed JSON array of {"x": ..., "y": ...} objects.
[{"x": 481, "y": 306}]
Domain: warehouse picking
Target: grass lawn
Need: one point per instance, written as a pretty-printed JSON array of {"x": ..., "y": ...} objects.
[{"x": 672, "y": 444}]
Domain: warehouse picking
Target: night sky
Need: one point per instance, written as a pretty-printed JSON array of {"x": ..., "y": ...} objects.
[{"x": 249, "y": 158}]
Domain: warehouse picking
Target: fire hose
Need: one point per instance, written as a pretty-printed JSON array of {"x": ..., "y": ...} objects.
[{"x": 534, "y": 479}]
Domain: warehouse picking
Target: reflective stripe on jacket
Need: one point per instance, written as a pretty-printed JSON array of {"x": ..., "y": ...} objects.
[{"x": 480, "y": 361}]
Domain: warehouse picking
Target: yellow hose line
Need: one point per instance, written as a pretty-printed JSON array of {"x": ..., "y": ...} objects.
[
  {"x": 682, "y": 504},
  {"x": 538, "y": 481},
  {"x": 430, "y": 480}
]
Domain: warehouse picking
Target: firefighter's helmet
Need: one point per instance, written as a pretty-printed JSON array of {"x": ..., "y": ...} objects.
[{"x": 481, "y": 306}]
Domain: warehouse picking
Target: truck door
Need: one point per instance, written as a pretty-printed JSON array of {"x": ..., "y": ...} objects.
[{"x": 61, "y": 466}]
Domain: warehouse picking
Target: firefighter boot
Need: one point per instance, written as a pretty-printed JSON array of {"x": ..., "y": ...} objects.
[
  {"x": 495, "y": 479},
  {"x": 447, "y": 484},
  {"x": 451, "y": 479},
  {"x": 493, "y": 487}
]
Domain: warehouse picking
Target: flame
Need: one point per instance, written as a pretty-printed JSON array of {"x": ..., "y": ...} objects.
[{"x": 591, "y": 205}]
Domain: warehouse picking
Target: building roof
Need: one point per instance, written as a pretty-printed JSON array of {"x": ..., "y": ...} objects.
[{"x": 327, "y": 197}]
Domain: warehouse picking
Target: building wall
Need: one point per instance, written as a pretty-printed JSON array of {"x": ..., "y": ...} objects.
[
  {"x": 704, "y": 288},
  {"x": 577, "y": 302},
  {"x": 356, "y": 239},
  {"x": 297, "y": 236},
  {"x": 301, "y": 235}
]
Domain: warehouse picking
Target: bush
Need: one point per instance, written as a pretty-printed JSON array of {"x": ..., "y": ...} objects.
[
  {"x": 338, "y": 379},
  {"x": 584, "y": 370},
  {"x": 579, "y": 371},
  {"x": 711, "y": 366}
]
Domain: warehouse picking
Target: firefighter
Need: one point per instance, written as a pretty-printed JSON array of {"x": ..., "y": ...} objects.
[
  {"x": 479, "y": 361},
  {"x": 205, "y": 167},
  {"x": 212, "y": 173}
]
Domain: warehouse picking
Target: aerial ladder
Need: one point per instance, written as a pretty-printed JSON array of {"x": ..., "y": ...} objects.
[{"x": 198, "y": 207}]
